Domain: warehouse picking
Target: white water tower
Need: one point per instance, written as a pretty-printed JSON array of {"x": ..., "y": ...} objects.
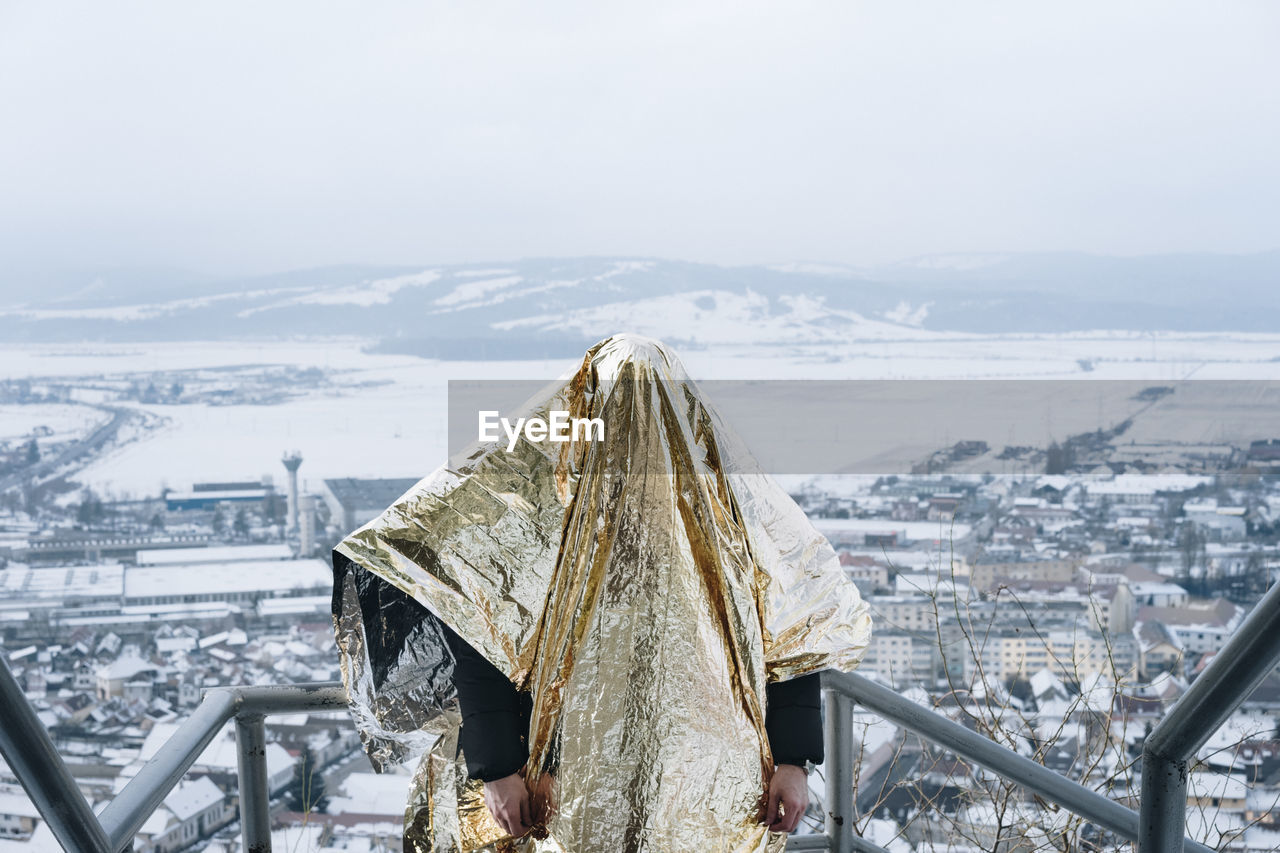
[{"x": 291, "y": 460}]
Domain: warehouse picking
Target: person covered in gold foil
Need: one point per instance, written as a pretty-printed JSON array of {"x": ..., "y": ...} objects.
[{"x": 653, "y": 603}]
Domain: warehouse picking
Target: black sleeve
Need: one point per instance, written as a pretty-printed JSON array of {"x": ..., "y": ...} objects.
[
  {"x": 491, "y": 738},
  {"x": 793, "y": 719}
]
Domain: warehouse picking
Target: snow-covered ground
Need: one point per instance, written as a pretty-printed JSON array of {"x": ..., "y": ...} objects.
[
  {"x": 17, "y": 422},
  {"x": 62, "y": 361},
  {"x": 395, "y": 428},
  {"x": 385, "y": 415}
]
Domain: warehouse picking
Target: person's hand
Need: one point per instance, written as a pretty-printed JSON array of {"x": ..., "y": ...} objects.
[
  {"x": 544, "y": 801},
  {"x": 789, "y": 788},
  {"x": 508, "y": 802}
]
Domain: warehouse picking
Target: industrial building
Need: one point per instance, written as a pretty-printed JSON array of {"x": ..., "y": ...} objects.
[
  {"x": 112, "y": 594},
  {"x": 209, "y": 495},
  {"x": 354, "y": 501},
  {"x": 232, "y": 583},
  {"x": 214, "y": 554}
]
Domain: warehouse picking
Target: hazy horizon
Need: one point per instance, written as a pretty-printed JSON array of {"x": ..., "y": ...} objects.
[
  {"x": 497, "y": 261},
  {"x": 119, "y": 284}
]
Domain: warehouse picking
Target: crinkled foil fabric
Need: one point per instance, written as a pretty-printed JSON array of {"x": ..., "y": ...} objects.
[{"x": 643, "y": 588}]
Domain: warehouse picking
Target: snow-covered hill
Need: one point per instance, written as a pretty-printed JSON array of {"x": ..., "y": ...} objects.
[{"x": 551, "y": 307}]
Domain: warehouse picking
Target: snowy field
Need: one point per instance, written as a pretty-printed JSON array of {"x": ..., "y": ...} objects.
[
  {"x": 64, "y": 361},
  {"x": 384, "y": 415},
  {"x": 17, "y": 422}
]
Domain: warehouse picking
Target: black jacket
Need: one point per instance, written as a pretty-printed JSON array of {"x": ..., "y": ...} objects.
[{"x": 495, "y": 716}]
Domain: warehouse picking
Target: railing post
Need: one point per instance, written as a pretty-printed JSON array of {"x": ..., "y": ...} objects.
[
  {"x": 839, "y": 770},
  {"x": 255, "y": 790},
  {"x": 1164, "y": 801}
]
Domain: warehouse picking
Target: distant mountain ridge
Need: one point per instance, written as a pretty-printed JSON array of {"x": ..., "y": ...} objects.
[{"x": 549, "y": 307}]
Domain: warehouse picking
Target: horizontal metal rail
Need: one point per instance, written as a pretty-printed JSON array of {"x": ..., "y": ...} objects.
[
  {"x": 1231, "y": 676},
  {"x": 124, "y": 815}
]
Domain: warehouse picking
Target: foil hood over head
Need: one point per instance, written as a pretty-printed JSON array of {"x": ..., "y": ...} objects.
[{"x": 642, "y": 587}]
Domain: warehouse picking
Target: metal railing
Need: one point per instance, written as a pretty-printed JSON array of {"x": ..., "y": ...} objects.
[
  {"x": 35, "y": 761},
  {"x": 1158, "y": 828},
  {"x": 1229, "y": 679},
  {"x": 844, "y": 690}
]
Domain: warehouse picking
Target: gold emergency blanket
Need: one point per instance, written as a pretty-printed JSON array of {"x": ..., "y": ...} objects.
[{"x": 643, "y": 588}]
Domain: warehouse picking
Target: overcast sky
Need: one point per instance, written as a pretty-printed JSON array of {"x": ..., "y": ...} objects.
[{"x": 246, "y": 137}]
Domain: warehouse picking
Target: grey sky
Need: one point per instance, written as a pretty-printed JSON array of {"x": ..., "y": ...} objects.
[{"x": 258, "y": 136}]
